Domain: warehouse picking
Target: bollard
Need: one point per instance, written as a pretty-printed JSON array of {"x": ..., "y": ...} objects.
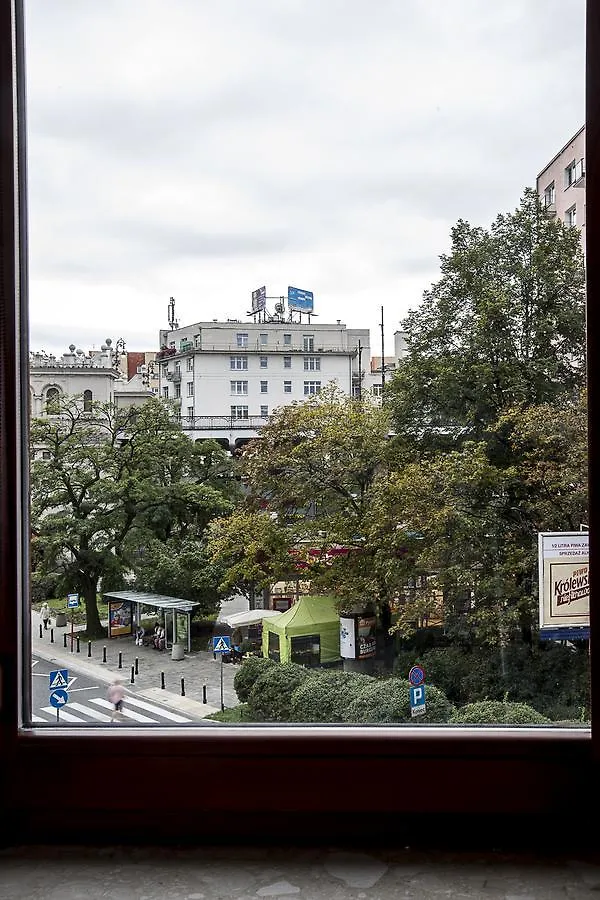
[
  {"x": 78, "y": 647},
  {"x": 65, "y": 640},
  {"x": 52, "y": 635},
  {"x": 89, "y": 648},
  {"x": 133, "y": 675},
  {"x": 104, "y": 654},
  {"x": 41, "y": 632},
  {"x": 162, "y": 680},
  {"x": 204, "y": 693},
  {"x": 120, "y": 660},
  {"x": 137, "y": 666},
  {"x": 182, "y": 688}
]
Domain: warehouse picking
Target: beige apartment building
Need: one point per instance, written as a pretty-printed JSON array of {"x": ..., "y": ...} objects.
[{"x": 561, "y": 184}]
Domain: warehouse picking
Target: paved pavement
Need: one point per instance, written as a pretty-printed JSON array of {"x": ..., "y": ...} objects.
[{"x": 198, "y": 669}]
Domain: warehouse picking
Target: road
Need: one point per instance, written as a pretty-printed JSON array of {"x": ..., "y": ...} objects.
[{"x": 88, "y": 703}]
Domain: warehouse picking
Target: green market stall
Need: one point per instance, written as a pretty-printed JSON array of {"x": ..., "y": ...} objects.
[{"x": 308, "y": 633}]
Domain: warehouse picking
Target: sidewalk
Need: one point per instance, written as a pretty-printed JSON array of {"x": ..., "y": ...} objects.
[{"x": 197, "y": 669}]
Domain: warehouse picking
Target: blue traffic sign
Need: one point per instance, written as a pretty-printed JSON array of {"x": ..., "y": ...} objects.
[
  {"x": 59, "y": 698},
  {"x": 416, "y": 676},
  {"x": 72, "y": 601},
  {"x": 58, "y": 679},
  {"x": 417, "y": 700},
  {"x": 301, "y": 301},
  {"x": 222, "y": 644}
]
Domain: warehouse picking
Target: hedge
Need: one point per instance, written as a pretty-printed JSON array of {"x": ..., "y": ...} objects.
[
  {"x": 498, "y": 712},
  {"x": 247, "y": 674},
  {"x": 388, "y": 700},
  {"x": 269, "y": 699},
  {"x": 325, "y": 696}
]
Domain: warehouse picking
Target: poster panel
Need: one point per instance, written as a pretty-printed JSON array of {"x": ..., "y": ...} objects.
[
  {"x": 348, "y": 637},
  {"x": 120, "y": 619},
  {"x": 564, "y": 581},
  {"x": 367, "y": 642}
]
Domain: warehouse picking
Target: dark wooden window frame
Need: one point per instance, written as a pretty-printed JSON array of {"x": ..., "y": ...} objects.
[{"x": 459, "y": 787}]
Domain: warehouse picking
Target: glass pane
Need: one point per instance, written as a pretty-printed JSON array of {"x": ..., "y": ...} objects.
[{"x": 400, "y": 535}]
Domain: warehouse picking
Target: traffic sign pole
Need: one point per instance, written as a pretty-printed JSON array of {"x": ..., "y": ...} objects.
[{"x": 222, "y": 704}]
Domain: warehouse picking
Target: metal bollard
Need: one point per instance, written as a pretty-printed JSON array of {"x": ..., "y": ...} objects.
[
  {"x": 204, "y": 693},
  {"x": 104, "y": 654},
  {"x": 65, "y": 640},
  {"x": 133, "y": 675},
  {"x": 137, "y": 666},
  {"x": 162, "y": 680},
  {"x": 89, "y": 648},
  {"x": 182, "y": 688},
  {"x": 52, "y": 635},
  {"x": 41, "y": 632},
  {"x": 78, "y": 647},
  {"x": 120, "y": 660}
]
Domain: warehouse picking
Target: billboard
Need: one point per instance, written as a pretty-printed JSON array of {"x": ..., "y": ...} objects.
[
  {"x": 120, "y": 619},
  {"x": 357, "y": 636},
  {"x": 259, "y": 299},
  {"x": 564, "y": 580},
  {"x": 301, "y": 301}
]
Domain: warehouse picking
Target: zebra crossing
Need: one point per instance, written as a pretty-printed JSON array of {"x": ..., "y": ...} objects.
[{"x": 98, "y": 709}]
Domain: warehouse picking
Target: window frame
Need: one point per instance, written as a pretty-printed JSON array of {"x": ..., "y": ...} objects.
[{"x": 490, "y": 780}]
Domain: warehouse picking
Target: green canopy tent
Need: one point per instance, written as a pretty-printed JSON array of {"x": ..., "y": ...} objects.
[{"x": 308, "y": 633}]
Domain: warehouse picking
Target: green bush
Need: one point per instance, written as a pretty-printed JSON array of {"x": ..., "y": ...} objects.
[
  {"x": 324, "y": 696},
  {"x": 494, "y": 712},
  {"x": 388, "y": 700},
  {"x": 247, "y": 674},
  {"x": 269, "y": 699}
]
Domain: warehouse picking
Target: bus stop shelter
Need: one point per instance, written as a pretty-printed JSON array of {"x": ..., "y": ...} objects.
[{"x": 163, "y": 605}]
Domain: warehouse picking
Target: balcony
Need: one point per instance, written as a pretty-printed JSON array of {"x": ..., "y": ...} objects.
[
  {"x": 186, "y": 346},
  {"x": 550, "y": 208},
  {"x": 176, "y": 376}
]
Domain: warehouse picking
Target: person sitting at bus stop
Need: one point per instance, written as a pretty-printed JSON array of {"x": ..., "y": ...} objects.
[
  {"x": 159, "y": 638},
  {"x": 139, "y": 635}
]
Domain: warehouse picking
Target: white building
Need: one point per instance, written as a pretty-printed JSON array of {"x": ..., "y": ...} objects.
[
  {"x": 561, "y": 184},
  {"x": 228, "y": 377}
]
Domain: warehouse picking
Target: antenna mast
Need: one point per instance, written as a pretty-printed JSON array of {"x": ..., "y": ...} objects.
[{"x": 173, "y": 323}]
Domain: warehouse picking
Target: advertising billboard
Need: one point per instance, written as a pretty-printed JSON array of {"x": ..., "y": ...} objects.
[
  {"x": 357, "y": 636},
  {"x": 259, "y": 299},
  {"x": 120, "y": 619},
  {"x": 564, "y": 580},
  {"x": 348, "y": 637},
  {"x": 299, "y": 300}
]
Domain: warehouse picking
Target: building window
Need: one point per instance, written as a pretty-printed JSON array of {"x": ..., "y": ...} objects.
[
  {"x": 264, "y": 387},
  {"x": 264, "y": 362},
  {"x": 239, "y": 412},
  {"x": 574, "y": 172},
  {"x": 87, "y": 401},
  {"x": 52, "y": 401},
  {"x": 287, "y": 387},
  {"x": 239, "y": 387},
  {"x": 287, "y": 362},
  {"x": 165, "y": 393},
  {"x": 177, "y": 390},
  {"x": 190, "y": 364},
  {"x": 264, "y": 339},
  {"x": 197, "y": 341},
  {"x": 264, "y": 411},
  {"x": 190, "y": 412},
  {"x": 241, "y": 339},
  {"x": 549, "y": 195},
  {"x": 312, "y": 363},
  {"x": 377, "y": 390},
  {"x": 190, "y": 389},
  {"x": 311, "y": 387},
  {"x": 308, "y": 343},
  {"x": 238, "y": 362},
  {"x": 571, "y": 215},
  {"x": 287, "y": 340}
]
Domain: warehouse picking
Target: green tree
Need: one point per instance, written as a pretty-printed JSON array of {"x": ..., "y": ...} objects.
[
  {"x": 503, "y": 327},
  {"x": 106, "y": 482}
]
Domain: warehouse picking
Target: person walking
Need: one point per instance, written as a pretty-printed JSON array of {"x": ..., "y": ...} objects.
[
  {"x": 45, "y": 615},
  {"x": 116, "y": 693}
]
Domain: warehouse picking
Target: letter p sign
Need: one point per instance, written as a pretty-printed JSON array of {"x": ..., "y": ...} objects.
[{"x": 417, "y": 700}]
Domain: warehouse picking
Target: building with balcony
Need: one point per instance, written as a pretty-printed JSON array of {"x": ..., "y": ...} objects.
[
  {"x": 561, "y": 184},
  {"x": 226, "y": 378}
]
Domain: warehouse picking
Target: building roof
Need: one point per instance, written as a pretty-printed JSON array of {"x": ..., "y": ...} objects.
[
  {"x": 160, "y": 601},
  {"x": 562, "y": 150}
]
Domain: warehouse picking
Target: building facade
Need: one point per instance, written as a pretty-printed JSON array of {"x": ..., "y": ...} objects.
[
  {"x": 561, "y": 184},
  {"x": 226, "y": 378}
]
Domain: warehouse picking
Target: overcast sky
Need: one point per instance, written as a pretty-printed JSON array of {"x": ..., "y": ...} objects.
[{"x": 202, "y": 148}]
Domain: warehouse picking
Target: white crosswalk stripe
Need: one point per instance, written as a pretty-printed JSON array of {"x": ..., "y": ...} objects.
[{"x": 83, "y": 712}]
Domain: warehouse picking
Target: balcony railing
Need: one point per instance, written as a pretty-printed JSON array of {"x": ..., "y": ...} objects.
[{"x": 222, "y": 423}]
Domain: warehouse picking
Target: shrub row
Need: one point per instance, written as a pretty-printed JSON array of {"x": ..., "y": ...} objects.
[{"x": 288, "y": 692}]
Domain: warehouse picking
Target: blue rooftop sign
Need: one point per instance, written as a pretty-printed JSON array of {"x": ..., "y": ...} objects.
[{"x": 301, "y": 301}]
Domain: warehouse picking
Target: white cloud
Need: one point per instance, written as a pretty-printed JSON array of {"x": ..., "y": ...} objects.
[{"x": 200, "y": 149}]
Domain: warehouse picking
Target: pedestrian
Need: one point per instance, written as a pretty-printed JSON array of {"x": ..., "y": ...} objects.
[
  {"x": 116, "y": 692},
  {"x": 139, "y": 636},
  {"x": 45, "y": 615}
]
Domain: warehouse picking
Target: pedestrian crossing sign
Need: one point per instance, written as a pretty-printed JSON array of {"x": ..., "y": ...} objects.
[
  {"x": 58, "y": 679},
  {"x": 222, "y": 644}
]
